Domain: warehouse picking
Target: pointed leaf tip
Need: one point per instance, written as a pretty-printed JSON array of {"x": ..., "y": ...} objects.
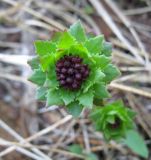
[
  {"x": 44, "y": 47},
  {"x": 74, "y": 108},
  {"x": 78, "y": 32}
]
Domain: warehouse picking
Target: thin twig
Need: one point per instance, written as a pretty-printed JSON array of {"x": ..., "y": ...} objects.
[
  {"x": 21, "y": 139},
  {"x": 15, "y": 59},
  {"x": 137, "y": 11},
  {"x": 36, "y": 14},
  {"x": 107, "y": 18},
  {"x": 127, "y": 23},
  {"x": 45, "y": 131},
  {"x": 130, "y": 89}
]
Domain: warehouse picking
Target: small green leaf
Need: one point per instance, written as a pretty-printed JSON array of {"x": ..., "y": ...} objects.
[
  {"x": 51, "y": 83},
  {"x": 94, "y": 45},
  {"x": 75, "y": 148},
  {"x": 101, "y": 61},
  {"x": 44, "y": 47},
  {"x": 100, "y": 91},
  {"x": 53, "y": 98},
  {"x": 111, "y": 119},
  {"x": 95, "y": 114},
  {"x": 111, "y": 73},
  {"x": 38, "y": 77},
  {"x": 95, "y": 76},
  {"x": 87, "y": 85},
  {"x": 79, "y": 49},
  {"x": 135, "y": 142},
  {"x": 34, "y": 63},
  {"x": 66, "y": 41},
  {"x": 74, "y": 108},
  {"x": 107, "y": 49},
  {"x": 86, "y": 99},
  {"x": 131, "y": 113},
  {"x": 77, "y": 31},
  {"x": 67, "y": 96},
  {"x": 99, "y": 75},
  {"x": 41, "y": 93},
  {"x": 46, "y": 61}
]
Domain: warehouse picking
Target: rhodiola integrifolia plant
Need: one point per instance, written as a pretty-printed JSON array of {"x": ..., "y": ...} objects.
[{"x": 73, "y": 70}]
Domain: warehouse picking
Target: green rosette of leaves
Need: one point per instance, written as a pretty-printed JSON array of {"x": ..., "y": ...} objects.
[
  {"x": 114, "y": 120},
  {"x": 72, "y": 69}
]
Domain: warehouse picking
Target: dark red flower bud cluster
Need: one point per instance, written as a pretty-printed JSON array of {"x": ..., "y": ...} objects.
[{"x": 71, "y": 72}]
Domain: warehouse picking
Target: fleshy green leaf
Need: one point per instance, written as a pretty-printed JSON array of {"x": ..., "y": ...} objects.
[
  {"x": 99, "y": 75},
  {"x": 38, "y": 77},
  {"x": 94, "y": 45},
  {"x": 87, "y": 85},
  {"x": 95, "y": 114},
  {"x": 80, "y": 50},
  {"x": 53, "y": 83},
  {"x": 44, "y": 47},
  {"x": 41, "y": 93},
  {"x": 95, "y": 76},
  {"x": 34, "y": 63},
  {"x": 111, "y": 119},
  {"x": 74, "y": 108},
  {"x": 86, "y": 99},
  {"x": 46, "y": 61},
  {"x": 77, "y": 31},
  {"x": 100, "y": 91},
  {"x": 75, "y": 148},
  {"x": 53, "y": 98},
  {"x": 66, "y": 41},
  {"x": 101, "y": 61},
  {"x": 131, "y": 113},
  {"x": 111, "y": 72},
  {"x": 107, "y": 49},
  {"x": 67, "y": 96},
  {"x": 135, "y": 142},
  {"x": 52, "y": 79}
]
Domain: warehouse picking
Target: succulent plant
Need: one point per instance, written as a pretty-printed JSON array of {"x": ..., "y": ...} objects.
[
  {"x": 114, "y": 120},
  {"x": 73, "y": 69}
]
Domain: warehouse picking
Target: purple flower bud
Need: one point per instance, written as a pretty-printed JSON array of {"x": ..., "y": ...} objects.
[
  {"x": 63, "y": 70},
  {"x": 78, "y": 76},
  {"x": 77, "y": 66},
  {"x": 62, "y": 76},
  {"x": 62, "y": 82},
  {"x": 69, "y": 80},
  {"x": 66, "y": 63},
  {"x": 74, "y": 85},
  {"x": 70, "y": 71}
]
